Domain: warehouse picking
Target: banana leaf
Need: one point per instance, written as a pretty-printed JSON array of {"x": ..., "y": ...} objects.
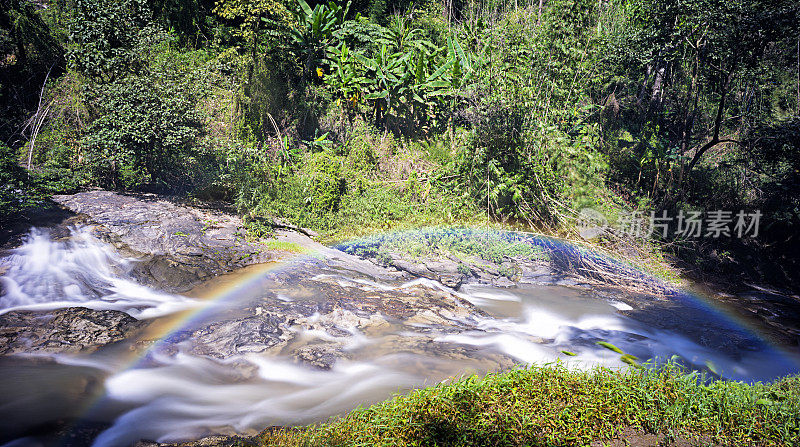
[{"x": 377, "y": 95}]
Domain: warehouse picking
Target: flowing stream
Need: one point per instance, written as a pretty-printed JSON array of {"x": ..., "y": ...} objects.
[{"x": 155, "y": 387}]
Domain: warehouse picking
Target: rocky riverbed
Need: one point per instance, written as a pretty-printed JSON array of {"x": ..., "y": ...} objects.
[
  {"x": 174, "y": 247},
  {"x": 196, "y": 329},
  {"x": 109, "y": 244}
]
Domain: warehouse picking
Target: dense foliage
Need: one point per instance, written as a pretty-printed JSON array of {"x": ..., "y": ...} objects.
[{"x": 355, "y": 116}]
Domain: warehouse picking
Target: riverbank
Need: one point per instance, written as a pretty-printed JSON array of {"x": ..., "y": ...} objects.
[{"x": 552, "y": 405}]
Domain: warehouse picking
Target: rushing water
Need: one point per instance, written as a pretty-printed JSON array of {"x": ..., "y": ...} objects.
[
  {"x": 135, "y": 393},
  {"x": 44, "y": 274}
]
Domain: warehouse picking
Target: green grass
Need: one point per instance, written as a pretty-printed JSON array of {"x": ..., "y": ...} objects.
[
  {"x": 553, "y": 405},
  {"x": 464, "y": 243},
  {"x": 379, "y": 207},
  {"x": 292, "y": 247}
]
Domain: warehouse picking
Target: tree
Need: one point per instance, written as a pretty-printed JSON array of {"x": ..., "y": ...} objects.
[
  {"x": 103, "y": 37},
  {"x": 700, "y": 49}
]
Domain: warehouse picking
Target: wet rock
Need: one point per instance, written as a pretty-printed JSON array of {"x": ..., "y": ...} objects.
[
  {"x": 427, "y": 318},
  {"x": 453, "y": 281},
  {"x": 415, "y": 268},
  {"x": 248, "y": 335},
  {"x": 567, "y": 282},
  {"x": 448, "y": 270},
  {"x": 321, "y": 356},
  {"x": 485, "y": 268},
  {"x": 179, "y": 246},
  {"x": 441, "y": 266},
  {"x": 535, "y": 274},
  {"x": 453, "y": 269},
  {"x": 504, "y": 282},
  {"x": 339, "y": 318},
  {"x": 74, "y": 329}
]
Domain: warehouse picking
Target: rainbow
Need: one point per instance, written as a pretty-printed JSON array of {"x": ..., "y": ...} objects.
[
  {"x": 251, "y": 281},
  {"x": 165, "y": 332}
]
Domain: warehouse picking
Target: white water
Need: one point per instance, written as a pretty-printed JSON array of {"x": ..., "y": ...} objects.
[
  {"x": 183, "y": 396},
  {"x": 188, "y": 397},
  {"x": 43, "y": 274}
]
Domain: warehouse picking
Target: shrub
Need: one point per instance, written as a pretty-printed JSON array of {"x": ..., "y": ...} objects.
[
  {"x": 17, "y": 190},
  {"x": 326, "y": 184},
  {"x": 104, "y": 35},
  {"x": 144, "y": 131},
  {"x": 361, "y": 155}
]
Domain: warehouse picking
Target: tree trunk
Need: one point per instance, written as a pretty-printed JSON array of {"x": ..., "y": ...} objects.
[
  {"x": 656, "y": 93},
  {"x": 22, "y": 55},
  {"x": 717, "y": 121},
  {"x": 654, "y": 105},
  {"x": 692, "y": 98},
  {"x": 643, "y": 87}
]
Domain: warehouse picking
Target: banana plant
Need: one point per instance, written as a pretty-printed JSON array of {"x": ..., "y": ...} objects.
[
  {"x": 402, "y": 37},
  {"x": 407, "y": 78},
  {"x": 314, "y": 33},
  {"x": 346, "y": 77},
  {"x": 386, "y": 71}
]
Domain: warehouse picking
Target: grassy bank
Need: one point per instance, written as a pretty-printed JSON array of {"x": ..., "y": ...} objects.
[{"x": 552, "y": 405}]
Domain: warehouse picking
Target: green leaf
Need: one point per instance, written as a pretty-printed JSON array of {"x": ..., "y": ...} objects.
[
  {"x": 438, "y": 73},
  {"x": 377, "y": 95},
  {"x": 569, "y": 353},
  {"x": 437, "y": 84},
  {"x": 305, "y": 7},
  {"x": 611, "y": 347},
  {"x": 461, "y": 55}
]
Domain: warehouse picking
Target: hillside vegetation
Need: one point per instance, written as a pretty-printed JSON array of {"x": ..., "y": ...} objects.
[{"x": 350, "y": 118}]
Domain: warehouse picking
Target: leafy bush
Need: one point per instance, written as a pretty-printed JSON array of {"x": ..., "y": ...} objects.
[
  {"x": 326, "y": 184},
  {"x": 360, "y": 152},
  {"x": 144, "y": 132},
  {"x": 18, "y": 191},
  {"x": 104, "y": 35},
  {"x": 135, "y": 126}
]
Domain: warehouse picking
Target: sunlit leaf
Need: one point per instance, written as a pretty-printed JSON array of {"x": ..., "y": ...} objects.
[{"x": 611, "y": 347}]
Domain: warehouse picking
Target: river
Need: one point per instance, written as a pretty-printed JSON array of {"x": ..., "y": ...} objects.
[{"x": 216, "y": 361}]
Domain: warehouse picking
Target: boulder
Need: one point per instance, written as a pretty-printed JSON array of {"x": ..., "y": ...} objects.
[
  {"x": 74, "y": 329},
  {"x": 179, "y": 245}
]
